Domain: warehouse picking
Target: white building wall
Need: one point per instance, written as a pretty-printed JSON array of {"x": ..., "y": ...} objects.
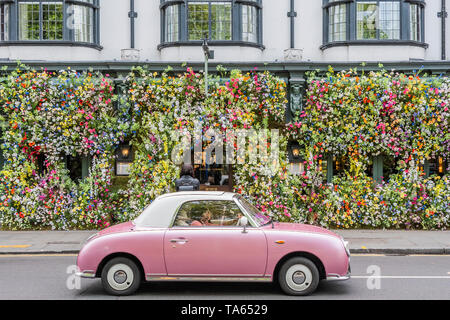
[{"x": 115, "y": 35}]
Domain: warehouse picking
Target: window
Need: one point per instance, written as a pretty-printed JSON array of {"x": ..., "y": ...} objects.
[
  {"x": 75, "y": 167},
  {"x": 337, "y": 26},
  {"x": 255, "y": 214},
  {"x": 212, "y": 18},
  {"x": 373, "y": 20},
  {"x": 4, "y": 22},
  {"x": 50, "y": 20},
  {"x": 220, "y": 20},
  {"x": 378, "y": 20},
  {"x": 208, "y": 213},
  {"x": 83, "y": 23},
  {"x": 415, "y": 22},
  {"x": 436, "y": 166},
  {"x": 40, "y": 21},
  {"x": 213, "y": 176},
  {"x": 171, "y": 20},
  {"x": 341, "y": 165},
  {"x": 78, "y": 167},
  {"x": 249, "y": 23}
]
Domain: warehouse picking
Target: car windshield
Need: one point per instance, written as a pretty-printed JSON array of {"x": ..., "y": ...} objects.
[{"x": 257, "y": 216}]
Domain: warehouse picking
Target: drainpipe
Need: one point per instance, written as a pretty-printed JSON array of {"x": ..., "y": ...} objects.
[
  {"x": 292, "y": 14},
  {"x": 443, "y": 15},
  {"x": 132, "y": 15}
]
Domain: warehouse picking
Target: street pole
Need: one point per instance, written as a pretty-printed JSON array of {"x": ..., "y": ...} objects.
[
  {"x": 206, "y": 75},
  {"x": 206, "y": 53}
]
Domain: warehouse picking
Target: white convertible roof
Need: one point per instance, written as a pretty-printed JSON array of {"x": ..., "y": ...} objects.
[{"x": 160, "y": 212}]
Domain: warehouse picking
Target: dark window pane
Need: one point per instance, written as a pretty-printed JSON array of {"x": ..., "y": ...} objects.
[{"x": 75, "y": 167}]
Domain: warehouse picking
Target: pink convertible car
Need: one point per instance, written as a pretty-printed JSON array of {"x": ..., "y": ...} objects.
[{"x": 212, "y": 236}]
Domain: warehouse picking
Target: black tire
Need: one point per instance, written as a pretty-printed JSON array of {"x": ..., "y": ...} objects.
[
  {"x": 121, "y": 277},
  {"x": 298, "y": 277}
]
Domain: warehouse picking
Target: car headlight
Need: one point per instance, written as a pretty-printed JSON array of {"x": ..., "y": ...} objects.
[{"x": 346, "y": 246}]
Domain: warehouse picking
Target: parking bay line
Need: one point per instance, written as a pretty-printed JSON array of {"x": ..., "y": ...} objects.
[
  {"x": 25, "y": 255},
  {"x": 17, "y": 246}
]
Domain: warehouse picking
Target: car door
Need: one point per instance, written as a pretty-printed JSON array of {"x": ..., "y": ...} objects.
[{"x": 198, "y": 246}]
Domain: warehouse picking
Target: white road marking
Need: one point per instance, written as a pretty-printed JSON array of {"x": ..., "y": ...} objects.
[{"x": 400, "y": 277}]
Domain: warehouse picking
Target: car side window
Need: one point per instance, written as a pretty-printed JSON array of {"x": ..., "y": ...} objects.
[{"x": 206, "y": 213}]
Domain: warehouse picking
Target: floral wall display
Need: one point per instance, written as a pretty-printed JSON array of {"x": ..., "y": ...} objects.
[
  {"x": 163, "y": 104},
  {"x": 46, "y": 117},
  {"x": 355, "y": 115},
  {"x": 359, "y": 115}
]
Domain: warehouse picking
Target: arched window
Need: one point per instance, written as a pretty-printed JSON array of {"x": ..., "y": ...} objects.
[
  {"x": 374, "y": 21},
  {"x": 47, "y": 21},
  {"x": 224, "y": 21}
]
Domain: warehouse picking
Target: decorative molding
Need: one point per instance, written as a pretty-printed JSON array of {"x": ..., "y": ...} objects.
[
  {"x": 293, "y": 54},
  {"x": 130, "y": 54}
]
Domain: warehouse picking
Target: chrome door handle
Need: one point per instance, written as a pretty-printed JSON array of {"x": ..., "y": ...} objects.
[{"x": 178, "y": 240}]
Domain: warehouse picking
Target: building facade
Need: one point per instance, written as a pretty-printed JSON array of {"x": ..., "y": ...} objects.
[
  {"x": 286, "y": 37},
  {"x": 239, "y": 30}
]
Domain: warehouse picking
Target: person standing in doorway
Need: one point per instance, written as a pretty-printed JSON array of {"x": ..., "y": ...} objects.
[{"x": 187, "y": 182}]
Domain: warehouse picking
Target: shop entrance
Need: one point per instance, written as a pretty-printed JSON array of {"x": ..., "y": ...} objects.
[{"x": 214, "y": 177}]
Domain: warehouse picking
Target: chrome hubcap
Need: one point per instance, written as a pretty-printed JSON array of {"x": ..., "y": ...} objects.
[
  {"x": 120, "y": 277},
  {"x": 298, "y": 277}
]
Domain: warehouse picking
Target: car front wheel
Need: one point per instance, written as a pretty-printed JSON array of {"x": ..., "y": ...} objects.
[
  {"x": 298, "y": 276},
  {"x": 121, "y": 277}
]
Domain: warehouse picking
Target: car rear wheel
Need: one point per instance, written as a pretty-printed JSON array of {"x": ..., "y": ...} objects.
[
  {"x": 298, "y": 276},
  {"x": 121, "y": 277}
]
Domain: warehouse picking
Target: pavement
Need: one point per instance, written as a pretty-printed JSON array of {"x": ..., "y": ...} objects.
[{"x": 361, "y": 241}]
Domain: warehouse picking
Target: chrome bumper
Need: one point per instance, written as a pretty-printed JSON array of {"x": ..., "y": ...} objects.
[
  {"x": 86, "y": 274},
  {"x": 336, "y": 277}
]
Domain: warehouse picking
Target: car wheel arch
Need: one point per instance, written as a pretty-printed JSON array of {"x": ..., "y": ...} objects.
[
  {"x": 105, "y": 260},
  {"x": 310, "y": 256}
]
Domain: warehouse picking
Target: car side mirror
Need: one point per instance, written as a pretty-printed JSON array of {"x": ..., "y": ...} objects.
[{"x": 243, "y": 222}]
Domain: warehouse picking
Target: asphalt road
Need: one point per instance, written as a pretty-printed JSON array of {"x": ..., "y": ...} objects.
[{"x": 396, "y": 277}]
